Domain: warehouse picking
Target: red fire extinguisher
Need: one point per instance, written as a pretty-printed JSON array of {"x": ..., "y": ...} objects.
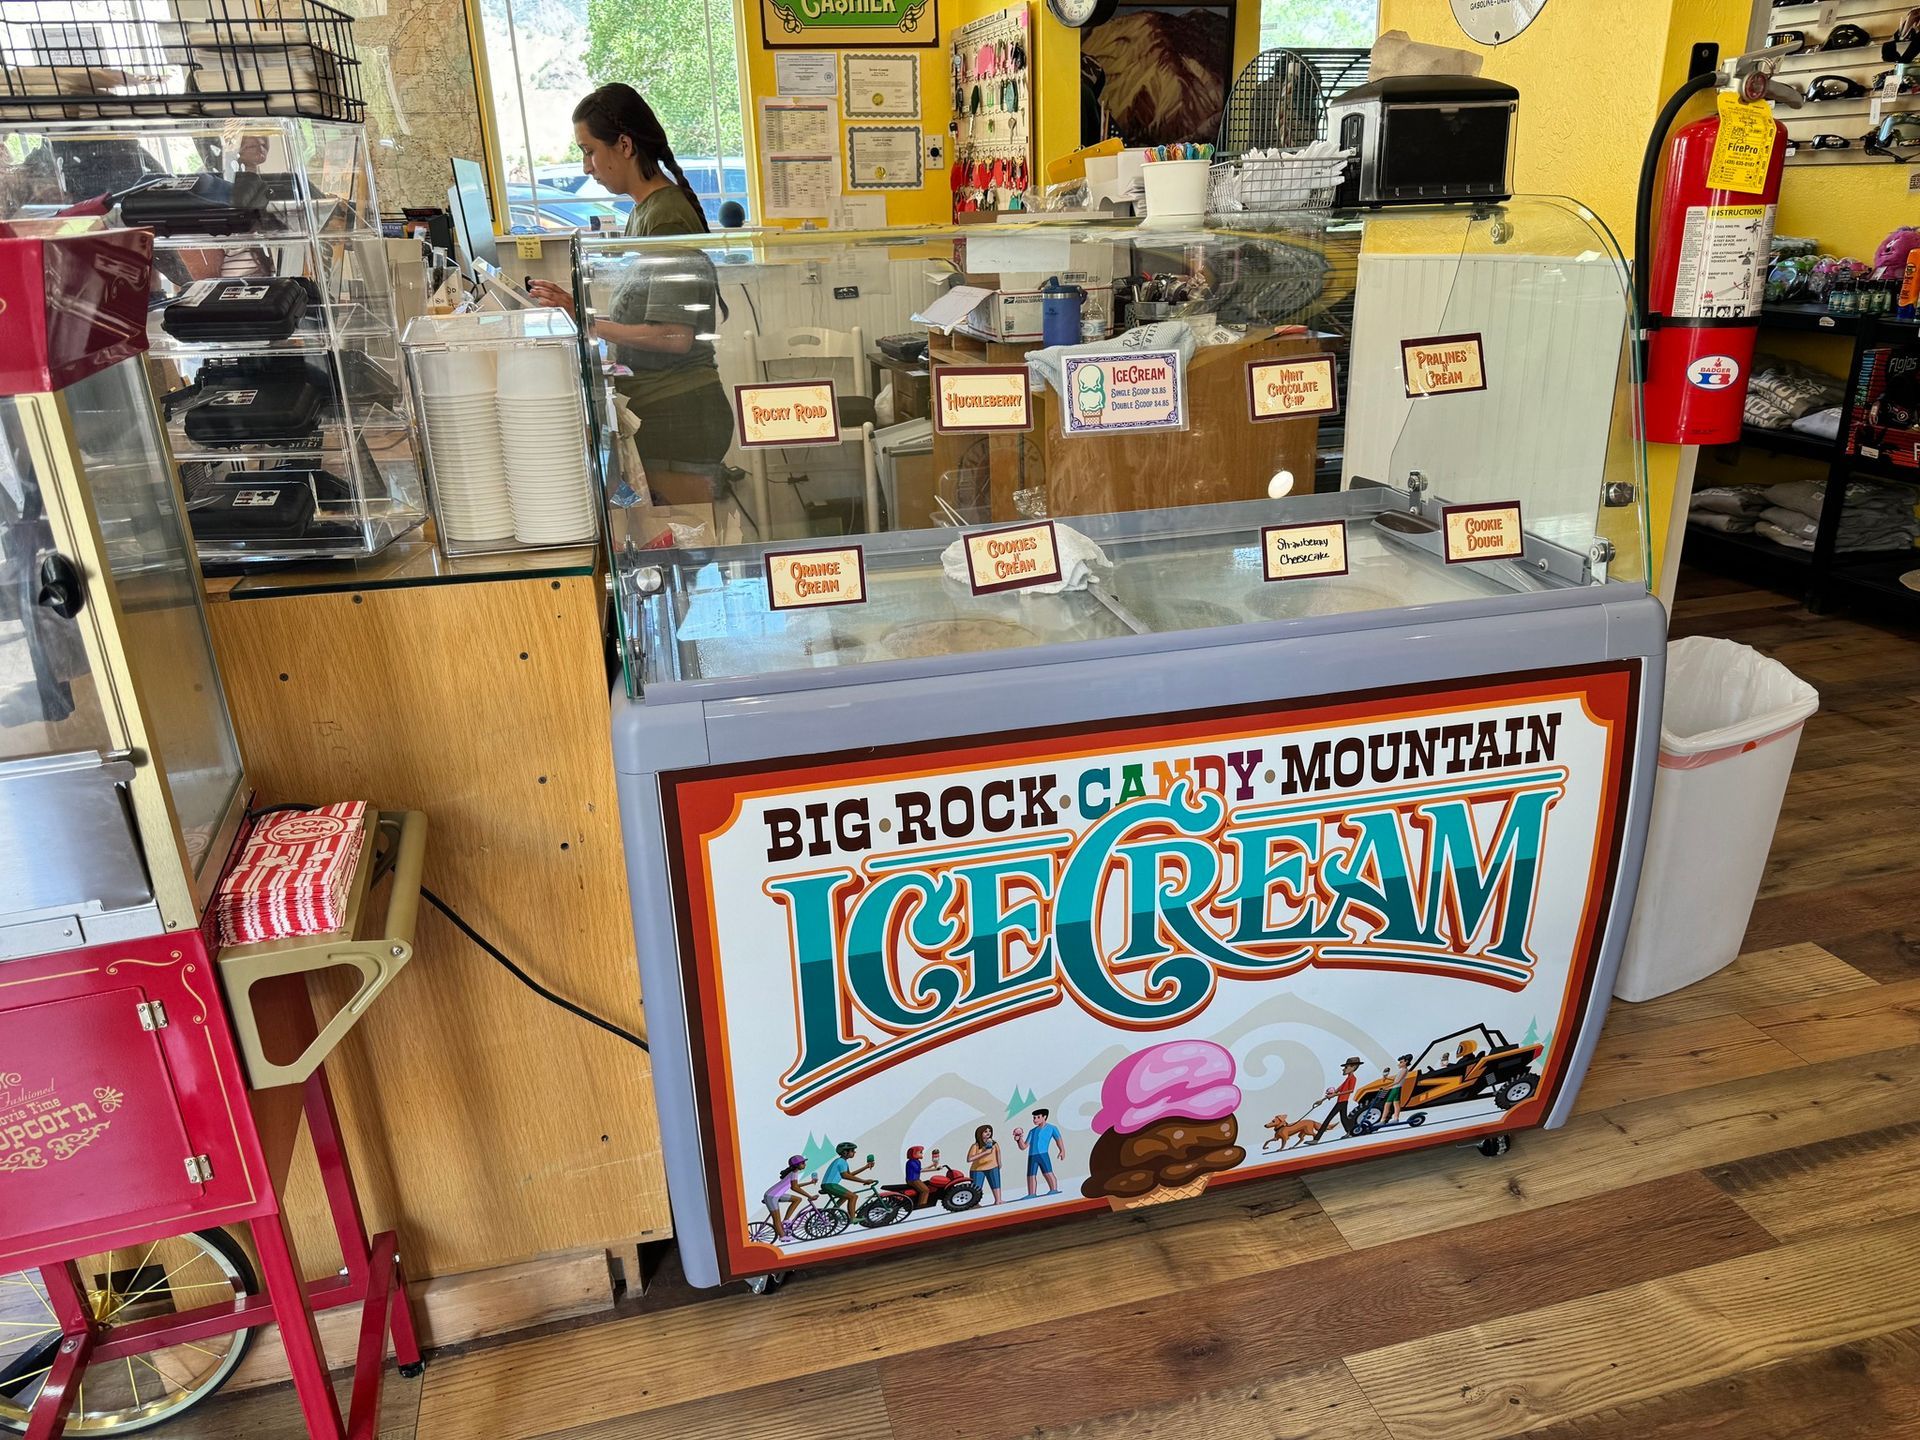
[{"x": 1700, "y": 296}]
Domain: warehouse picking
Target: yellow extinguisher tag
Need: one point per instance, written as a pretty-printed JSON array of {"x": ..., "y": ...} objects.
[{"x": 1744, "y": 147}]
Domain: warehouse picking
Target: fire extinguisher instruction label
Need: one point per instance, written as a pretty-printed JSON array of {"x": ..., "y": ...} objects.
[{"x": 1723, "y": 262}]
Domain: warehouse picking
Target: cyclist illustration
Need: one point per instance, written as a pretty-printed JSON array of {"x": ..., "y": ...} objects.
[
  {"x": 840, "y": 1170},
  {"x": 787, "y": 1191}
]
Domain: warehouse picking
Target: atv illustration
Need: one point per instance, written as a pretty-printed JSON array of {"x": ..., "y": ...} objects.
[
  {"x": 1465, "y": 1065},
  {"x": 947, "y": 1188}
]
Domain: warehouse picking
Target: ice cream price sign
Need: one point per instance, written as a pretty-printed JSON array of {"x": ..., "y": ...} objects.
[
  {"x": 1443, "y": 365},
  {"x": 1490, "y": 531},
  {"x": 1013, "y": 558},
  {"x": 970, "y": 398},
  {"x": 1108, "y": 394},
  {"x": 809, "y": 579},
  {"x": 1297, "y": 552},
  {"x": 788, "y": 412},
  {"x": 1290, "y": 389},
  {"x": 980, "y": 981}
]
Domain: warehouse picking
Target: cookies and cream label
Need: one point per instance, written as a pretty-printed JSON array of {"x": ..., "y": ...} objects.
[
  {"x": 812, "y": 579},
  {"x": 1015, "y": 557},
  {"x": 787, "y": 412},
  {"x": 1490, "y": 531},
  {"x": 1114, "y": 964}
]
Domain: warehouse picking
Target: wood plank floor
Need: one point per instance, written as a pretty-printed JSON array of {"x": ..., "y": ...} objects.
[{"x": 1724, "y": 1242}]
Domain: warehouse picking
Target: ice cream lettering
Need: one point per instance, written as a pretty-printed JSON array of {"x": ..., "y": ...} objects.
[{"x": 1166, "y": 1125}]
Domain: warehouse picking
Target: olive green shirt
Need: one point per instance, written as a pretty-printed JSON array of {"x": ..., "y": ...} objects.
[{"x": 668, "y": 287}]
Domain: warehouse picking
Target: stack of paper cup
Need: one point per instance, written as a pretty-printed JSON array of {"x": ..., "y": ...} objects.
[
  {"x": 463, "y": 446},
  {"x": 543, "y": 437}
]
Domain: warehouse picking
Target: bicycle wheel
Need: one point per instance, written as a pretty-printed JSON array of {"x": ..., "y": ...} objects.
[
  {"x": 825, "y": 1224},
  {"x": 761, "y": 1232},
  {"x": 117, "y": 1397}
]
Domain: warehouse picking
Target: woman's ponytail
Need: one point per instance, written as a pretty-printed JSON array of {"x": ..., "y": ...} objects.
[{"x": 686, "y": 186}]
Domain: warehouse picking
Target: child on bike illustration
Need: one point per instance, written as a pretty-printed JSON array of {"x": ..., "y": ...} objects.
[{"x": 789, "y": 1191}]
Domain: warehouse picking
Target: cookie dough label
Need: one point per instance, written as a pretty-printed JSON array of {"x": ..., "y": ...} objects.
[
  {"x": 1443, "y": 365},
  {"x": 1482, "y": 532},
  {"x": 808, "y": 579},
  {"x": 1299, "y": 552},
  {"x": 1013, "y": 558},
  {"x": 970, "y": 398},
  {"x": 788, "y": 412},
  {"x": 1290, "y": 389},
  {"x": 1114, "y": 964},
  {"x": 1106, "y": 394}
]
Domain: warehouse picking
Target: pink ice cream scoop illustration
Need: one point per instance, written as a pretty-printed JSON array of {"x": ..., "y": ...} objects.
[{"x": 1166, "y": 1125}]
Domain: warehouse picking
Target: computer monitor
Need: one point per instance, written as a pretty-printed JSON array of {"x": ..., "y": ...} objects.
[{"x": 472, "y": 216}]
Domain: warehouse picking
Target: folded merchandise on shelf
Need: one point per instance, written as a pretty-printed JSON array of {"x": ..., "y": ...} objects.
[
  {"x": 1875, "y": 515},
  {"x": 1782, "y": 391}
]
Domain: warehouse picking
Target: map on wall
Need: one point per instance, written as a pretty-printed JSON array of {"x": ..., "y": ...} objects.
[
  {"x": 849, "y": 22},
  {"x": 1494, "y": 22}
]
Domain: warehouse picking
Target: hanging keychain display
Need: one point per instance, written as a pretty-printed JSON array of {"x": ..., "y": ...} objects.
[{"x": 993, "y": 115}]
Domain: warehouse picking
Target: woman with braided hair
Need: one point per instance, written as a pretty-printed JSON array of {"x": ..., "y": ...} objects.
[{"x": 666, "y": 310}]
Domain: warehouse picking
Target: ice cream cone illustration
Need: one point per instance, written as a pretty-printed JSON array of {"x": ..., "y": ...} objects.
[{"x": 1166, "y": 1125}]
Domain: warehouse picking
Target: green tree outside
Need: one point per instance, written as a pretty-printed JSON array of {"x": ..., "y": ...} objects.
[
  {"x": 663, "y": 52},
  {"x": 1352, "y": 23}
]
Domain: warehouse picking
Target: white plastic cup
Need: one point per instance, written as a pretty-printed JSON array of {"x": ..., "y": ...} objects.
[
  {"x": 537, "y": 372},
  {"x": 1176, "y": 189},
  {"x": 456, "y": 374}
]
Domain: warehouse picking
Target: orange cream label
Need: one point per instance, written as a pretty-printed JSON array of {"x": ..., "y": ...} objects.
[{"x": 807, "y": 579}]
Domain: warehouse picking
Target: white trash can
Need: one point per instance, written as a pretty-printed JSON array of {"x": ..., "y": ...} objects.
[{"x": 1728, "y": 736}]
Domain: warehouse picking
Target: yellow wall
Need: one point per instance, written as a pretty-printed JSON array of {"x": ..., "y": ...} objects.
[
  {"x": 1056, "y": 62},
  {"x": 1591, "y": 82}
]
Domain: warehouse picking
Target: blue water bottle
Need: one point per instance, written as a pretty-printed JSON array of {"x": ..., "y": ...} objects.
[{"x": 1060, "y": 312}]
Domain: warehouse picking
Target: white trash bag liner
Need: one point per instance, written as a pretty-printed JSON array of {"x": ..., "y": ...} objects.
[{"x": 1728, "y": 737}]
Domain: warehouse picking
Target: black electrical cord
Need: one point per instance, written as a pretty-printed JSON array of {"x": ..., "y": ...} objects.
[
  {"x": 1643, "y": 209},
  {"x": 492, "y": 950},
  {"x": 525, "y": 979}
]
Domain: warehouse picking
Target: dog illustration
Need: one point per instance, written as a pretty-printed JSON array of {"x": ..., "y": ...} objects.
[{"x": 1284, "y": 1130}]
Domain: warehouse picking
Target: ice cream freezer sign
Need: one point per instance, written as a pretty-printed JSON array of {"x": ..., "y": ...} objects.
[{"x": 976, "y": 982}]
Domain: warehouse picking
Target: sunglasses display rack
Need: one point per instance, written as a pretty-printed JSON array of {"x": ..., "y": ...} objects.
[
  {"x": 990, "y": 65},
  {"x": 1858, "y": 65}
]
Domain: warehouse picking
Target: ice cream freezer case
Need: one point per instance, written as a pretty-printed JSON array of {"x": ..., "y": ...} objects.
[{"x": 963, "y": 910}]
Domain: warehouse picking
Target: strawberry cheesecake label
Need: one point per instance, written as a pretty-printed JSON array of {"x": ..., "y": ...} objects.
[{"x": 984, "y": 981}]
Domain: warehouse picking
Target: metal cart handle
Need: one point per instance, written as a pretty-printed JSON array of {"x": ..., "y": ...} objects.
[{"x": 378, "y": 959}]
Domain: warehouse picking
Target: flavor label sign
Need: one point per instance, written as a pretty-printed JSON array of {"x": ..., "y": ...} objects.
[
  {"x": 976, "y": 398},
  {"x": 1298, "y": 552},
  {"x": 1111, "y": 966},
  {"x": 1443, "y": 365},
  {"x": 1289, "y": 389},
  {"x": 1111, "y": 394},
  {"x": 809, "y": 579},
  {"x": 1482, "y": 532},
  {"x": 1012, "y": 558},
  {"x": 788, "y": 412}
]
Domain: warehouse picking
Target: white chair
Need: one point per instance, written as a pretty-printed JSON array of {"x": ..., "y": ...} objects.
[{"x": 821, "y": 348}]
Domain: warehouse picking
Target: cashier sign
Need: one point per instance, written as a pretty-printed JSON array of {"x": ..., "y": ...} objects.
[{"x": 894, "y": 947}]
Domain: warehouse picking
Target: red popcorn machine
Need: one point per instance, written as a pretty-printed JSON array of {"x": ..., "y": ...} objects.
[{"x": 152, "y": 1083}]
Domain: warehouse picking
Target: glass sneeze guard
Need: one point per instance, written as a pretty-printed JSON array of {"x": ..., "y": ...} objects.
[{"x": 1288, "y": 347}]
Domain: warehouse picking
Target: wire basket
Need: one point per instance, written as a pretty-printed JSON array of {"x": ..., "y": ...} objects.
[
  {"x": 1276, "y": 184},
  {"x": 80, "y": 60}
]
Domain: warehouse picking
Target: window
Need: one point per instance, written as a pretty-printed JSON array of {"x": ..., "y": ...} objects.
[
  {"x": 679, "y": 54},
  {"x": 1335, "y": 23}
]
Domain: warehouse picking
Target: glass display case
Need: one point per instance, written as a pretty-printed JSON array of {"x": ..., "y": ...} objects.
[
  {"x": 272, "y": 336},
  {"x": 1173, "y": 678},
  {"x": 112, "y": 715},
  {"x": 1282, "y": 395}
]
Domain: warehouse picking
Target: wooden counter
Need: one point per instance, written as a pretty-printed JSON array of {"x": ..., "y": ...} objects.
[{"x": 484, "y": 1124}]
